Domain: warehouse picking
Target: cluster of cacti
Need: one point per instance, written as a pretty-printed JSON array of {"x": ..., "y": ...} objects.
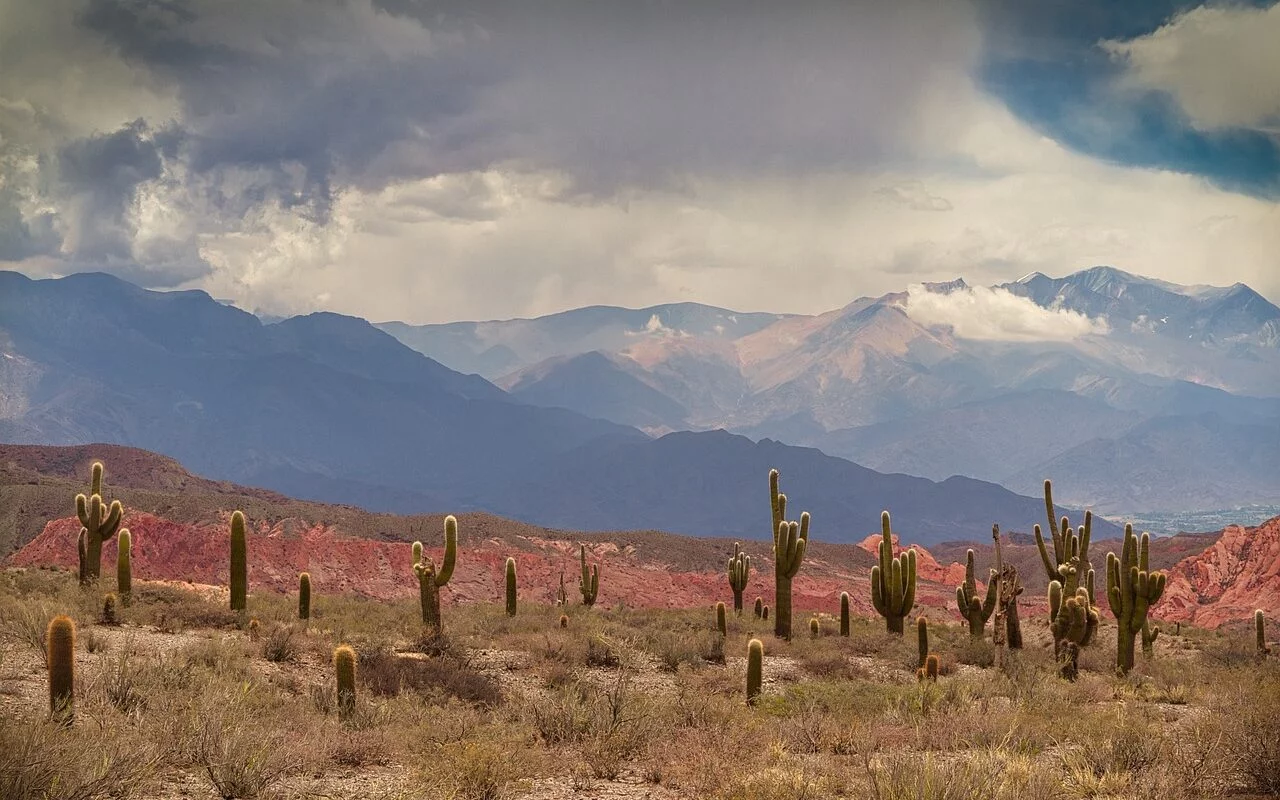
[
  {"x": 239, "y": 563},
  {"x": 759, "y": 607},
  {"x": 1073, "y": 622},
  {"x": 922, "y": 639},
  {"x": 99, "y": 522},
  {"x": 589, "y": 583},
  {"x": 124, "y": 566},
  {"x": 722, "y": 624},
  {"x": 60, "y": 657},
  {"x": 739, "y": 572},
  {"x": 511, "y": 586},
  {"x": 431, "y": 577},
  {"x": 975, "y": 612},
  {"x": 789, "y": 541},
  {"x": 304, "y": 596},
  {"x": 929, "y": 672},
  {"x": 1068, "y": 564},
  {"x": 1260, "y": 633},
  {"x": 755, "y": 669},
  {"x": 1131, "y": 589},
  {"x": 344, "y": 667},
  {"x": 844, "y": 613},
  {"x": 893, "y": 580}
]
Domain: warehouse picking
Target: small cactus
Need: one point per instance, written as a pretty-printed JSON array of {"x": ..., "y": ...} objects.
[
  {"x": 931, "y": 666},
  {"x": 739, "y": 572},
  {"x": 922, "y": 639},
  {"x": 589, "y": 583},
  {"x": 99, "y": 523},
  {"x": 755, "y": 669},
  {"x": 239, "y": 563},
  {"x": 109, "y": 614},
  {"x": 764, "y": 613},
  {"x": 255, "y": 629},
  {"x": 124, "y": 566},
  {"x": 304, "y": 596},
  {"x": 60, "y": 656},
  {"x": 893, "y": 581},
  {"x": 1131, "y": 590},
  {"x": 1260, "y": 633},
  {"x": 844, "y": 614},
  {"x": 759, "y": 607},
  {"x": 431, "y": 577},
  {"x": 564, "y": 620},
  {"x": 722, "y": 624},
  {"x": 815, "y": 627},
  {"x": 511, "y": 587},
  {"x": 975, "y": 612},
  {"x": 344, "y": 666}
]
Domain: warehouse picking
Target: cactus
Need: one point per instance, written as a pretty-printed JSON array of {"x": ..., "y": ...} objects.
[
  {"x": 60, "y": 657},
  {"x": 562, "y": 597},
  {"x": 124, "y": 566},
  {"x": 1069, "y": 562},
  {"x": 815, "y": 627},
  {"x": 99, "y": 523},
  {"x": 739, "y": 572},
  {"x": 1073, "y": 623},
  {"x": 589, "y": 583},
  {"x": 759, "y": 607},
  {"x": 109, "y": 616},
  {"x": 564, "y": 620},
  {"x": 755, "y": 669},
  {"x": 255, "y": 629},
  {"x": 431, "y": 577},
  {"x": 844, "y": 614},
  {"x": 1131, "y": 590},
  {"x": 511, "y": 587},
  {"x": 975, "y": 613},
  {"x": 893, "y": 581},
  {"x": 304, "y": 596},
  {"x": 929, "y": 672},
  {"x": 922, "y": 639},
  {"x": 1177, "y": 629},
  {"x": 417, "y": 552},
  {"x": 1260, "y": 633},
  {"x": 722, "y": 624},
  {"x": 1149, "y": 634},
  {"x": 789, "y": 542},
  {"x": 239, "y": 563},
  {"x": 764, "y": 613},
  {"x": 344, "y": 667}
]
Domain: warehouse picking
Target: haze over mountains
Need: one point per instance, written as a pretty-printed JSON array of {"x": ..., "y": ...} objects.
[
  {"x": 1134, "y": 394},
  {"x": 327, "y": 407}
]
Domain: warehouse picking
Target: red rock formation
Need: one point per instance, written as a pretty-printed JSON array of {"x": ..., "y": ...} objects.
[{"x": 1238, "y": 573}]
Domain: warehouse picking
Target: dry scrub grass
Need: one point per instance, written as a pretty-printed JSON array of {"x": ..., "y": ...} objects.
[{"x": 180, "y": 701}]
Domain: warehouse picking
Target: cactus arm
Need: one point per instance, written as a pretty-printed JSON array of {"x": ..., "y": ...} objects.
[{"x": 450, "y": 550}]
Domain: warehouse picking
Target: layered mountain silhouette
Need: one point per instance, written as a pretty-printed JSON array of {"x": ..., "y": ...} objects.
[
  {"x": 327, "y": 407},
  {"x": 1135, "y": 394}
]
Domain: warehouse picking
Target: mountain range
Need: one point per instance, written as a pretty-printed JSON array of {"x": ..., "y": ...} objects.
[
  {"x": 1134, "y": 394},
  {"x": 326, "y": 407}
]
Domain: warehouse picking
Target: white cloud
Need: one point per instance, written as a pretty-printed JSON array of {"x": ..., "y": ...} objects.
[
  {"x": 1221, "y": 64},
  {"x": 997, "y": 315}
]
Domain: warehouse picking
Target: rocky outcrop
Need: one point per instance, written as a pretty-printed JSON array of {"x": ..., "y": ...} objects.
[{"x": 1228, "y": 580}]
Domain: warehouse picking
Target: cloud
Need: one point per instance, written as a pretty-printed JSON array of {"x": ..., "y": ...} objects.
[
  {"x": 913, "y": 195},
  {"x": 1221, "y": 64},
  {"x": 997, "y": 315}
]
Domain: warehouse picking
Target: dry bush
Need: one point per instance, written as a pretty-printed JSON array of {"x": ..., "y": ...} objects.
[
  {"x": 1249, "y": 708},
  {"x": 91, "y": 641},
  {"x": 280, "y": 644},
  {"x": 602, "y": 652},
  {"x": 387, "y": 674},
  {"x": 172, "y": 609},
  {"x": 26, "y": 621},
  {"x": 488, "y": 767},
  {"x": 43, "y": 761},
  {"x": 975, "y": 775},
  {"x": 226, "y": 657},
  {"x": 244, "y": 745}
]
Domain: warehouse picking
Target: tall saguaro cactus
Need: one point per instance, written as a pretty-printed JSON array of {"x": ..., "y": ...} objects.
[
  {"x": 975, "y": 612},
  {"x": 239, "y": 563},
  {"x": 789, "y": 542},
  {"x": 893, "y": 580},
  {"x": 589, "y": 583},
  {"x": 1131, "y": 590},
  {"x": 511, "y": 587},
  {"x": 124, "y": 566},
  {"x": 432, "y": 576},
  {"x": 739, "y": 572},
  {"x": 1069, "y": 563},
  {"x": 60, "y": 655},
  {"x": 99, "y": 522}
]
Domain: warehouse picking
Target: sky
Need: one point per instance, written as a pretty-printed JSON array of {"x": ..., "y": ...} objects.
[{"x": 436, "y": 161}]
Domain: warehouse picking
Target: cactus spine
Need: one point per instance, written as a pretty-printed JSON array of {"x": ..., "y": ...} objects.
[
  {"x": 844, "y": 614},
  {"x": 722, "y": 624},
  {"x": 431, "y": 577},
  {"x": 589, "y": 583},
  {"x": 922, "y": 639},
  {"x": 739, "y": 571},
  {"x": 1260, "y": 633},
  {"x": 975, "y": 613},
  {"x": 1131, "y": 590},
  {"x": 759, "y": 607},
  {"x": 60, "y": 655},
  {"x": 893, "y": 581},
  {"x": 239, "y": 563},
  {"x": 304, "y": 596},
  {"x": 99, "y": 523},
  {"x": 124, "y": 566},
  {"x": 789, "y": 542},
  {"x": 344, "y": 667},
  {"x": 511, "y": 587},
  {"x": 755, "y": 669}
]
